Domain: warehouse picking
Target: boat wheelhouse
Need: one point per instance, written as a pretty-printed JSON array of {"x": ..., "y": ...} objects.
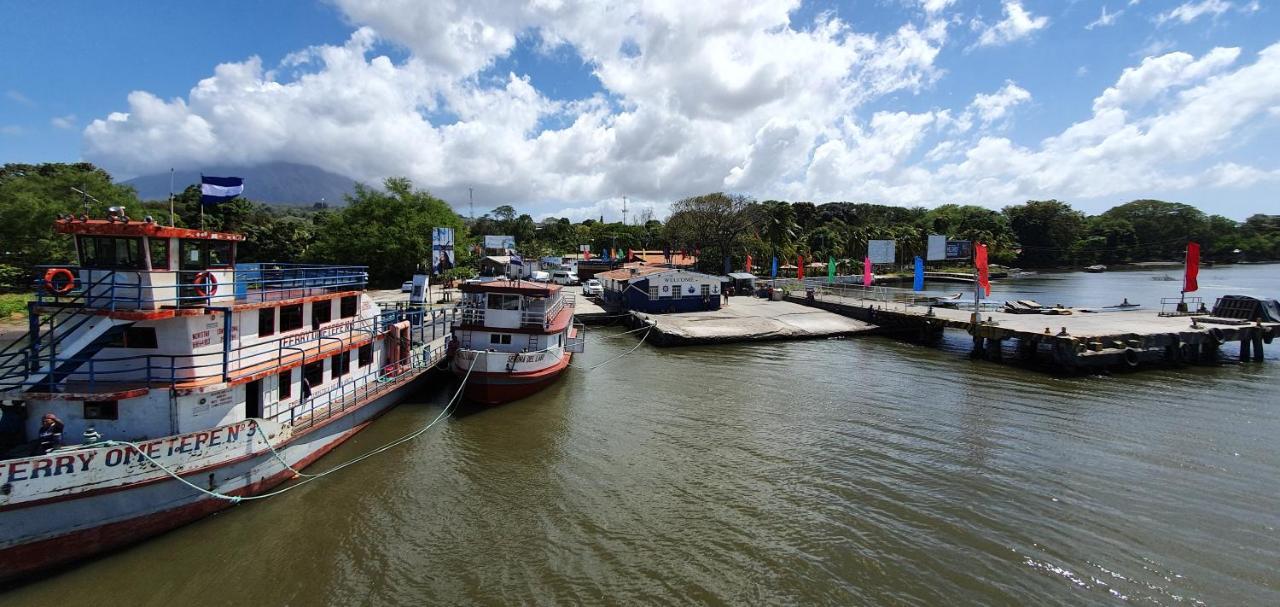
[
  {"x": 183, "y": 380},
  {"x": 514, "y": 338}
]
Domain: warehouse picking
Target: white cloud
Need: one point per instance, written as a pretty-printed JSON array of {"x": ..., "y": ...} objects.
[
  {"x": 996, "y": 105},
  {"x": 1190, "y": 11},
  {"x": 935, "y": 6},
  {"x": 18, "y": 97},
  {"x": 1105, "y": 19},
  {"x": 1017, "y": 24},
  {"x": 696, "y": 97},
  {"x": 64, "y": 122}
]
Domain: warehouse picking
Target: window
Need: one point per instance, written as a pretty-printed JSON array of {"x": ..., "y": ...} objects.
[
  {"x": 135, "y": 337},
  {"x": 101, "y": 409},
  {"x": 285, "y": 380},
  {"x": 220, "y": 253},
  {"x": 347, "y": 308},
  {"x": 498, "y": 301},
  {"x": 290, "y": 318},
  {"x": 653, "y": 291},
  {"x": 191, "y": 255},
  {"x": 205, "y": 254},
  {"x": 706, "y": 290},
  {"x": 111, "y": 253},
  {"x": 266, "y": 322},
  {"x": 321, "y": 312},
  {"x": 159, "y": 253},
  {"x": 313, "y": 374},
  {"x": 340, "y": 364},
  {"x": 365, "y": 356},
  {"x": 499, "y": 338}
]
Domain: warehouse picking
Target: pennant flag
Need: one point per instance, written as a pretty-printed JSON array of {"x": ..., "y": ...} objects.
[
  {"x": 980, "y": 262},
  {"x": 800, "y": 267},
  {"x": 773, "y": 272},
  {"x": 749, "y": 264},
  {"x": 831, "y": 269},
  {"x": 1189, "y": 283},
  {"x": 918, "y": 284},
  {"x": 516, "y": 260},
  {"x": 630, "y": 254},
  {"x": 586, "y": 256},
  {"x": 217, "y": 190}
]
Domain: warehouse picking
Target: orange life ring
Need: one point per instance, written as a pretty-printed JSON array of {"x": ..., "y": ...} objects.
[
  {"x": 51, "y": 278},
  {"x": 206, "y": 285}
]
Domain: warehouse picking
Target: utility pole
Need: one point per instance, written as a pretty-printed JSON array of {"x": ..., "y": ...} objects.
[
  {"x": 624, "y": 210},
  {"x": 472, "y": 200}
]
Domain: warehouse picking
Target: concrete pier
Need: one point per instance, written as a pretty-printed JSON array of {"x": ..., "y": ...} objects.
[
  {"x": 1078, "y": 341},
  {"x": 748, "y": 319}
]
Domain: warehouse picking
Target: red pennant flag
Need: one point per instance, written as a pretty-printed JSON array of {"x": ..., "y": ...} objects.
[
  {"x": 1189, "y": 283},
  {"x": 980, "y": 262},
  {"x": 586, "y": 255},
  {"x": 800, "y": 267},
  {"x": 748, "y": 263},
  {"x": 867, "y": 276},
  {"x": 630, "y": 254}
]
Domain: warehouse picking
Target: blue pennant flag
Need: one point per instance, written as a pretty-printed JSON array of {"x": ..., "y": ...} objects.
[
  {"x": 217, "y": 190},
  {"x": 918, "y": 285},
  {"x": 773, "y": 271}
]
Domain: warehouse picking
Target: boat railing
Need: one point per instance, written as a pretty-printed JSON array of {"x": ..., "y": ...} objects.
[
  {"x": 119, "y": 289},
  {"x": 474, "y": 314}
]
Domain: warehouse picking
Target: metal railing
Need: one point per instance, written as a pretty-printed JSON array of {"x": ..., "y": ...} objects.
[{"x": 475, "y": 315}]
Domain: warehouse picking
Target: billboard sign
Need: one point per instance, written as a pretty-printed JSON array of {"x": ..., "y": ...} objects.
[
  {"x": 881, "y": 251},
  {"x": 959, "y": 250},
  {"x": 505, "y": 243},
  {"x": 442, "y": 259},
  {"x": 937, "y": 248}
]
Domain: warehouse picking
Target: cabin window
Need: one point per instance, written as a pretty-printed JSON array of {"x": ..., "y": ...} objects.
[
  {"x": 285, "y": 379},
  {"x": 102, "y": 409},
  {"x": 266, "y": 322},
  {"x": 347, "y": 308},
  {"x": 290, "y": 318},
  {"x": 340, "y": 364},
  {"x": 654, "y": 291},
  {"x": 205, "y": 254},
  {"x": 500, "y": 339},
  {"x": 159, "y": 253},
  {"x": 321, "y": 312},
  {"x": 706, "y": 290},
  {"x": 111, "y": 253},
  {"x": 365, "y": 356},
  {"x": 135, "y": 337},
  {"x": 500, "y": 301},
  {"x": 313, "y": 374}
]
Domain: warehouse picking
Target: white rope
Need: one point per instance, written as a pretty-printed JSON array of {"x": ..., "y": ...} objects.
[
  {"x": 637, "y": 347},
  {"x": 309, "y": 477},
  {"x": 617, "y": 335}
]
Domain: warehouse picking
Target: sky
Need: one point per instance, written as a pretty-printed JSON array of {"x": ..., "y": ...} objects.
[{"x": 563, "y": 107}]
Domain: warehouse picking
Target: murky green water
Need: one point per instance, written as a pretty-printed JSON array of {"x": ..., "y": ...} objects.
[{"x": 833, "y": 472}]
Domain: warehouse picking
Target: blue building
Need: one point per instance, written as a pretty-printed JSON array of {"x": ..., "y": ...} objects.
[{"x": 657, "y": 289}]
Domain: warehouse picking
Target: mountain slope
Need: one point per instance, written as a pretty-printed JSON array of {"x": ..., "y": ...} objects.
[{"x": 276, "y": 182}]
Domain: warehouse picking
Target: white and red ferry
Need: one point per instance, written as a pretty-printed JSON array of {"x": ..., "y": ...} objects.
[
  {"x": 515, "y": 336},
  {"x": 227, "y": 375}
]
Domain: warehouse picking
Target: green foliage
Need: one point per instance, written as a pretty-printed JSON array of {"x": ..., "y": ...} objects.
[
  {"x": 13, "y": 303},
  {"x": 388, "y": 231},
  {"x": 1046, "y": 231},
  {"x": 718, "y": 224}
]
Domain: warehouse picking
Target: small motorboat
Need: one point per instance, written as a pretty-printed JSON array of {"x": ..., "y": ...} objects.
[
  {"x": 1096, "y": 268},
  {"x": 1164, "y": 278},
  {"x": 1124, "y": 305}
]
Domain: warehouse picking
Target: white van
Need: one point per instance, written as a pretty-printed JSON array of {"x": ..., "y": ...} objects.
[
  {"x": 564, "y": 277},
  {"x": 538, "y": 276}
]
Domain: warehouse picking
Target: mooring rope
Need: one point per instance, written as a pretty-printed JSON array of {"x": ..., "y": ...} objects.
[
  {"x": 637, "y": 347},
  {"x": 234, "y": 499},
  {"x": 617, "y": 335}
]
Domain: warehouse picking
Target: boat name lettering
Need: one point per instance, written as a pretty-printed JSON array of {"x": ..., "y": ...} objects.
[
  {"x": 337, "y": 329},
  {"x": 77, "y": 462}
]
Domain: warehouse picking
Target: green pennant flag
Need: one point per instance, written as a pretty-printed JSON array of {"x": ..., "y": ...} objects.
[{"x": 831, "y": 269}]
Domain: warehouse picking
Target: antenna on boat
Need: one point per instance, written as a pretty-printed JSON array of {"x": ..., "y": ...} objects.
[{"x": 86, "y": 197}]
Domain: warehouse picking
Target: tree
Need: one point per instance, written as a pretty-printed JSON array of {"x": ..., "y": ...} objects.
[
  {"x": 716, "y": 223},
  {"x": 388, "y": 231},
  {"x": 1046, "y": 231}
]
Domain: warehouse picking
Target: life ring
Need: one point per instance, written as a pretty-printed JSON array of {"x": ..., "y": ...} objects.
[
  {"x": 1131, "y": 357},
  {"x": 206, "y": 285},
  {"x": 52, "y": 276}
]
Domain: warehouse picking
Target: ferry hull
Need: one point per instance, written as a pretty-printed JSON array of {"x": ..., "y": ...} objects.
[
  {"x": 500, "y": 388},
  {"x": 35, "y": 538}
]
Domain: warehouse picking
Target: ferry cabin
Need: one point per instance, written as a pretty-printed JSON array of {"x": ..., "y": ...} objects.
[
  {"x": 158, "y": 332},
  {"x": 514, "y": 316}
]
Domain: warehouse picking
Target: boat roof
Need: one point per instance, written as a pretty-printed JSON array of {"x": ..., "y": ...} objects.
[
  {"x": 103, "y": 227},
  {"x": 633, "y": 272},
  {"x": 520, "y": 287}
]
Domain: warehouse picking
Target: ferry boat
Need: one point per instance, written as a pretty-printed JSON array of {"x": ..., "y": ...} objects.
[
  {"x": 515, "y": 337},
  {"x": 168, "y": 362}
]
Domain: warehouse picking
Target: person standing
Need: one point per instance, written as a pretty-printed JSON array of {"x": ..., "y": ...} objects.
[{"x": 50, "y": 436}]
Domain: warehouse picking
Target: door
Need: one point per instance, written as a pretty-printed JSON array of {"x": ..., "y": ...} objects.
[{"x": 253, "y": 399}]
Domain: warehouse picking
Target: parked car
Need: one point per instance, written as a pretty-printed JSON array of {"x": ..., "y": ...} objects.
[
  {"x": 564, "y": 277},
  {"x": 592, "y": 287},
  {"x": 540, "y": 276},
  {"x": 406, "y": 286}
]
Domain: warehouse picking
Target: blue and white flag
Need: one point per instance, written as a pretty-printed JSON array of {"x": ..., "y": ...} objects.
[
  {"x": 516, "y": 260},
  {"x": 217, "y": 190}
]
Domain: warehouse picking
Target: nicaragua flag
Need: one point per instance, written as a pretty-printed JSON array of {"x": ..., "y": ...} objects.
[
  {"x": 217, "y": 190},
  {"x": 517, "y": 260}
]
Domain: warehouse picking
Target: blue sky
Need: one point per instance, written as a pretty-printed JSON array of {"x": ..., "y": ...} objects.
[{"x": 563, "y": 111}]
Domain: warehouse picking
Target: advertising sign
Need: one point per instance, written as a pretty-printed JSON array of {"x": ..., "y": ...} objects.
[
  {"x": 442, "y": 259},
  {"x": 506, "y": 243},
  {"x": 959, "y": 250},
  {"x": 881, "y": 251},
  {"x": 937, "y": 248}
]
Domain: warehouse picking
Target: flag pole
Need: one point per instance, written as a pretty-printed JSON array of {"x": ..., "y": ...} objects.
[
  {"x": 171, "y": 221},
  {"x": 201, "y": 204}
]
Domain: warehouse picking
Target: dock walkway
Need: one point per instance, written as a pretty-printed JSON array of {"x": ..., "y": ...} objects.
[
  {"x": 748, "y": 319},
  {"x": 1068, "y": 342}
]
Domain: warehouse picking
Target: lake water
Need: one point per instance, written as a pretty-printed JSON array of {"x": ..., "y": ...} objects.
[{"x": 858, "y": 471}]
